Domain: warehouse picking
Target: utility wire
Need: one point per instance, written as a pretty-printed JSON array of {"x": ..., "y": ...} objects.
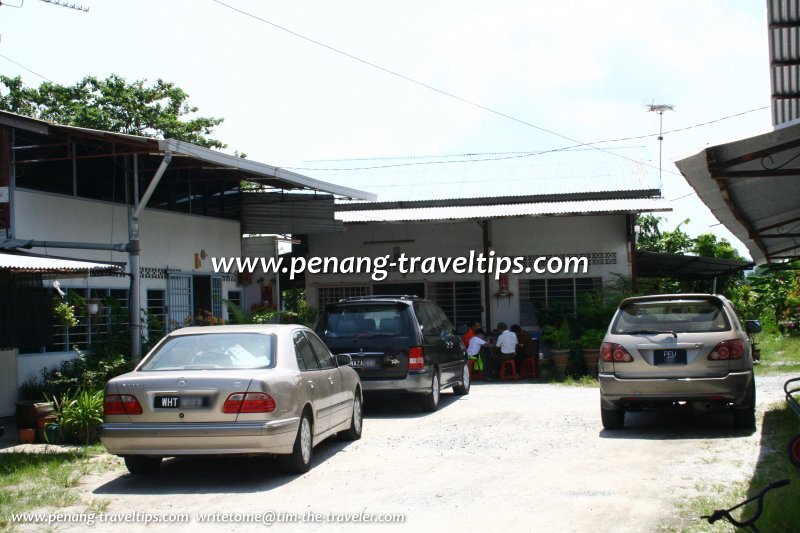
[
  {"x": 26, "y": 68},
  {"x": 422, "y": 84},
  {"x": 526, "y": 153}
]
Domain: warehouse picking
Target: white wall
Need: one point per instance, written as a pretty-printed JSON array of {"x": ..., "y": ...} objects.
[
  {"x": 509, "y": 237},
  {"x": 168, "y": 240}
]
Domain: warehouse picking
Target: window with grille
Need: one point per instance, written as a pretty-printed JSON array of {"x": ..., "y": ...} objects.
[
  {"x": 460, "y": 300},
  {"x": 329, "y": 295},
  {"x": 540, "y": 294}
]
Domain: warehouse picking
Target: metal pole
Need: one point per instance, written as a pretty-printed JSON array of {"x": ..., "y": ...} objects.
[{"x": 134, "y": 299}]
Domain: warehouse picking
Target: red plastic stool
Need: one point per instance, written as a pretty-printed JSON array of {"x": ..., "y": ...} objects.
[
  {"x": 508, "y": 364},
  {"x": 474, "y": 374},
  {"x": 530, "y": 368}
]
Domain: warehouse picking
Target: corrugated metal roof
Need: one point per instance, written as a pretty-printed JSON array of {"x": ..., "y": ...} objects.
[
  {"x": 218, "y": 161},
  {"x": 577, "y": 170},
  {"x": 36, "y": 263},
  {"x": 633, "y": 205},
  {"x": 784, "y": 54},
  {"x": 751, "y": 187}
]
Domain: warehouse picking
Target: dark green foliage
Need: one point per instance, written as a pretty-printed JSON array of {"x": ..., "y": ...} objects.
[{"x": 151, "y": 110}]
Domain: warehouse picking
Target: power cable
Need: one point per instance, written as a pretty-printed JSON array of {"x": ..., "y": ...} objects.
[
  {"x": 26, "y": 68},
  {"x": 421, "y": 84}
]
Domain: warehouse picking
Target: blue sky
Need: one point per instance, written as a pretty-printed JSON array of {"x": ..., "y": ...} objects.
[{"x": 581, "y": 69}]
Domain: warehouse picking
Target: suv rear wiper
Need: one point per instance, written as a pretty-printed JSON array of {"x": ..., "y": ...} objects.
[{"x": 649, "y": 332}]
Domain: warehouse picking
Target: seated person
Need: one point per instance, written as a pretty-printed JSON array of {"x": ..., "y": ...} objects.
[
  {"x": 472, "y": 330},
  {"x": 476, "y": 342}
]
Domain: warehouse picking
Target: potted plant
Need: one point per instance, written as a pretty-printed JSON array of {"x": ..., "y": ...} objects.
[
  {"x": 590, "y": 342},
  {"x": 559, "y": 339}
]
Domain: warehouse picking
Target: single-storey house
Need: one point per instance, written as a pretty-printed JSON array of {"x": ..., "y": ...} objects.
[{"x": 161, "y": 208}]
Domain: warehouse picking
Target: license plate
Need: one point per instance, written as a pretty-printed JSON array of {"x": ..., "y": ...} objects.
[
  {"x": 167, "y": 402},
  {"x": 669, "y": 357},
  {"x": 364, "y": 363}
]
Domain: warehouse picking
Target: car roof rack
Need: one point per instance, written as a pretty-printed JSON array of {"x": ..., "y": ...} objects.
[{"x": 382, "y": 297}]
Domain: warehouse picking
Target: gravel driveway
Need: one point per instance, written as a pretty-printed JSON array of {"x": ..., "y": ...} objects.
[{"x": 522, "y": 456}]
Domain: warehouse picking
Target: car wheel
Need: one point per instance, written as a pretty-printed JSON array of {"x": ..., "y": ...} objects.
[
  {"x": 356, "y": 422},
  {"x": 794, "y": 450},
  {"x": 463, "y": 389},
  {"x": 746, "y": 418},
  {"x": 300, "y": 459},
  {"x": 140, "y": 465},
  {"x": 430, "y": 402},
  {"x": 613, "y": 418}
]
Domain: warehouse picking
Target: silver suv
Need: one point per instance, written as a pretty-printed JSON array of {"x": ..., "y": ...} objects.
[{"x": 677, "y": 350}]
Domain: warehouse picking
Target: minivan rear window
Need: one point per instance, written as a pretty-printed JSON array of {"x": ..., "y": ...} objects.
[
  {"x": 687, "y": 316},
  {"x": 389, "y": 320}
]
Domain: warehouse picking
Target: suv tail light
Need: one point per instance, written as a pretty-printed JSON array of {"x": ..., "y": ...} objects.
[
  {"x": 732, "y": 349},
  {"x": 248, "y": 402},
  {"x": 121, "y": 404},
  {"x": 416, "y": 358},
  {"x": 614, "y": 353}
]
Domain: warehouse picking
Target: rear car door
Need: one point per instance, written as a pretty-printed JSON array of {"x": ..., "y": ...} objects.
[
  {"x": 341, "y": 400},
  {"x": 675, "y": 338},
  {"x": 315, "y": 382},
  {"x": 376, "y": 335}
]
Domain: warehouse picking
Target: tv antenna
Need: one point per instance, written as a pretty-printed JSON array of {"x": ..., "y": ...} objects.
[
  {"x": 61, "y": 3},
  {"x": 68, "y": 5},
  {"x": 660, "y": 108}
]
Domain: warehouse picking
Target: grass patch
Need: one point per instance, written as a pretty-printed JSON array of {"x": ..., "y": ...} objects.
[
  {"x": 778, "y": 354},
  {"x": 781, "y": 511},
  {"x": 31, "y": 481},
  {"x": 582, "y": 381}
]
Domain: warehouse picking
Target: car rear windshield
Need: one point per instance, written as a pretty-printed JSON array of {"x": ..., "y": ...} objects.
[
  {"x": 676, "y": 316},
  {"x": 365, "y": 321},
  {"x": 227, "y": 351}
]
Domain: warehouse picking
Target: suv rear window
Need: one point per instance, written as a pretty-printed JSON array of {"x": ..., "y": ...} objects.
[
  {"x": 688, "y": 316},
  {"x": 373, "y": 320}
]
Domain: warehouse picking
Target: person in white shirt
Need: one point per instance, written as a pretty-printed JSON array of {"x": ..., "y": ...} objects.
[
  {"x": 506, "y": 344},
  {"x": 476, "y": 342}
]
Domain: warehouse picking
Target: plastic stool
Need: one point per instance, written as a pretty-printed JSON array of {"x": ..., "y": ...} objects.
[
  {"x": 530, "y": 368},
  {"x": 474, "y": 374},
  {"x": 508, "y": 364}
]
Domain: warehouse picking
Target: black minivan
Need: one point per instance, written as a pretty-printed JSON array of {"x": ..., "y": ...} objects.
[{"x": 397, "y": 344}]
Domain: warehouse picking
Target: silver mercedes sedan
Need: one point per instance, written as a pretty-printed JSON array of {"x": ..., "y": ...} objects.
[{"x": 218, "y": 390}]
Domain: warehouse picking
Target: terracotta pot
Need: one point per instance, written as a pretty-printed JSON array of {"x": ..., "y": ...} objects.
[
  {"x": 560, "y": 362},
  {"x": 26, "y": 435},
  {"x": 591, "y": 356}
]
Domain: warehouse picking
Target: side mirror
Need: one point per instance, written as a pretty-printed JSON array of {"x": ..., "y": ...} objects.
[
  {"x": 752, "y": 326},
  {"x": 344, "y": 359}
]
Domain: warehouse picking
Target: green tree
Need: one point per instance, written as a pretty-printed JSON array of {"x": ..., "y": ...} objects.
[
  {"x": 707, "y": 245},
  {"x": 652, "y": 238},
  {"x": 157, "y": 110}
]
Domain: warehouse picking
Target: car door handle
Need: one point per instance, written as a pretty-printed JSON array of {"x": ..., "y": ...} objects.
[{"x": 310, "y": 383}]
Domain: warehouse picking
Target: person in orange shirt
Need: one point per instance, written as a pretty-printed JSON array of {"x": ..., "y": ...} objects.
[{"x": 473, "y": 327}]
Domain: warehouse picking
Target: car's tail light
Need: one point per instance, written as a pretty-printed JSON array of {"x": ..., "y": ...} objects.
[
  {"x": 248, "y": 402},
  {"x": 614, "y": 353},
  {"x": 416, "y": 358},
  {"x": 121, "y": 404},
  {"x": 732, "y": 349}
]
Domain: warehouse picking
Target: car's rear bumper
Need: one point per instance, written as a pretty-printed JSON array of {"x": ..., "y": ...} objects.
[
  {"x": 733, "y": 387},
  {"x": 416, "y": 382},
  {"x": 171, "y": 439}
]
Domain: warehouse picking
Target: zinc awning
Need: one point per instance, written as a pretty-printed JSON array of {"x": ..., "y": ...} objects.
[
  {"x": 753, "y": 188},
  {"x": 28, "y": 263}
]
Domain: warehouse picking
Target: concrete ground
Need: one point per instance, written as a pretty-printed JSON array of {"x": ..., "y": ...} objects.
[{"x": 512, "y": 456}]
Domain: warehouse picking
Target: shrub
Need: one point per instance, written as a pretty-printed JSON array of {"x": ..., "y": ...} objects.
[{"x": 80, "y": 413}]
